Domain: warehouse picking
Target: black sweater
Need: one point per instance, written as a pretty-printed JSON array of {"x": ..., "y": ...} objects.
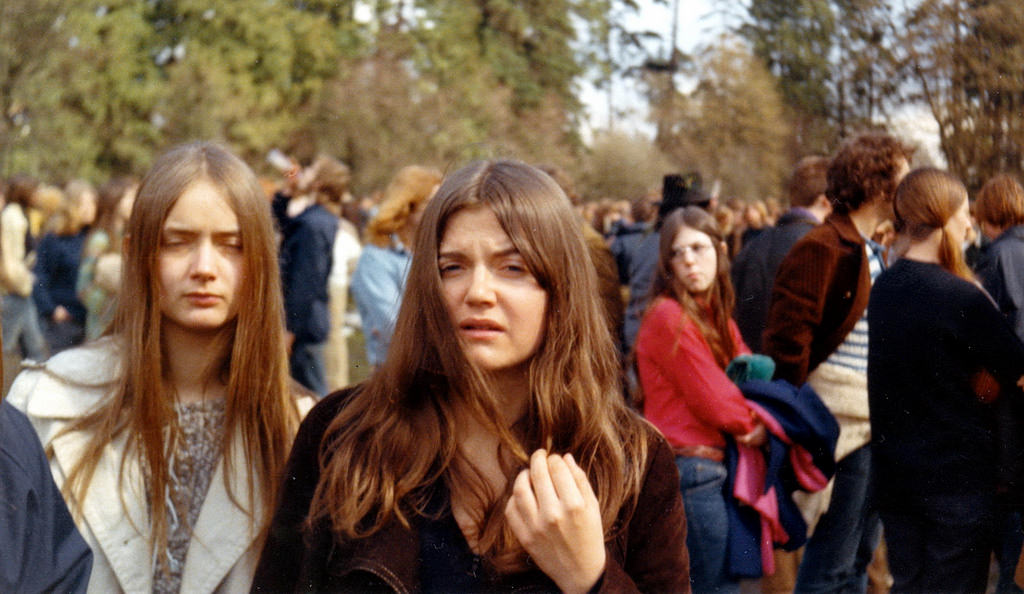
[{"x": 929, "y": 332}]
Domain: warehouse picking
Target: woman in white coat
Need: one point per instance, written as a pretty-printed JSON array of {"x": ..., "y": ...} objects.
[{"x": 168, "y": 434}]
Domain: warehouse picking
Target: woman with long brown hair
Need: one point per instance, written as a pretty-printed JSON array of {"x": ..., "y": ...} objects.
[
  {"x": 686, "y": 340},
  {"x": 932, "y": 333},
  {"x": 492, "y": 449},
  {"x": 168, "y": 434}
]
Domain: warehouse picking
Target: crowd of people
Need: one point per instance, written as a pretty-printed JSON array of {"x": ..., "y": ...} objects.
[{"x": 564, "y": 395}]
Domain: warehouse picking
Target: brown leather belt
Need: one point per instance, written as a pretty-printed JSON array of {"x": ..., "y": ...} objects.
[{"x": 700, "y": 451}]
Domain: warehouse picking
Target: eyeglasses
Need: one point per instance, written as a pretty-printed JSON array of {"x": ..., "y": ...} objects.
[{"x": 699, "y": 250}]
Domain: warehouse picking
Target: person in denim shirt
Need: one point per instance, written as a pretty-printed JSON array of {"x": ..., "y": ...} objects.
[{"x": 379, "y": 279}]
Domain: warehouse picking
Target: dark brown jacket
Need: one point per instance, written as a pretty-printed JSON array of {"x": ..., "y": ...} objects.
[
  {"x": 649, "y": 553},
  {"x": 820, "y": 292}
]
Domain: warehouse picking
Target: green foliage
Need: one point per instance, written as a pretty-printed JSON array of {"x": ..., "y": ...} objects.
[
  {"x": 623, "y": 166},
  {"x": 733, "y": 127},
  {"x": 834, "y": 63},
  {"x": 794, "y": 38},
  {"x": 96, "y": 87}
]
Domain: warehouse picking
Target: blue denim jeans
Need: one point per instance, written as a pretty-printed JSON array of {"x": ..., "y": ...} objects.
[
  {"x": 702, "y": 484},
  {"x": 838, "y": 553},
  {"x": 21, "y": 330}
]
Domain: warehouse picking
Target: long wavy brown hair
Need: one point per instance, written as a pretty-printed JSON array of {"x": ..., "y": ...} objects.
[
  {"x": 925, "y": 200},
  {"x": 395, "y": 442},
  {"x": 260, "y": 408},
  {"x": 711, "y": 317}
]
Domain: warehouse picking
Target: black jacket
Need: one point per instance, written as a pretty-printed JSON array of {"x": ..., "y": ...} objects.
[
  {"x": 648, "y": 553},
  {"x": 753, "y": 272},
  {"x": 307, "y": 255},
  {"x": 40, "y": 548},
  {"x": 1002, "y": 273}
]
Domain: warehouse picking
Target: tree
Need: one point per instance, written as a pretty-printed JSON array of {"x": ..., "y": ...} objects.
[
  {"x": 965, "y": 57},
  {"x": 107, "y": 86},
  {"x": 864, "y": 70},
  {"x": 795, "y": 39},
  {"x": 622, "y": 166},
  {"x": 834, "y": 63},
  {"x": 30, "y": 31},
  {"x": 245, "y": 72},
  {"x": 733, "y": 126}
]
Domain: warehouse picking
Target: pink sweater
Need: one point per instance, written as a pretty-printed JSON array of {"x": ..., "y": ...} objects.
[{"x": 687, "y": 396}]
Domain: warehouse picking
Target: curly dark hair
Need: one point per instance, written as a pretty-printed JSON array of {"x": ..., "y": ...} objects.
[{"x": 864, "y": 169}]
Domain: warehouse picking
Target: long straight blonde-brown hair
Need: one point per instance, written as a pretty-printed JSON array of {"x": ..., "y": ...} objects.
[
  {"x": 924, "y": 202},
  {"x": 395, "y": 441},
  {"x": 259, "y": 406}
]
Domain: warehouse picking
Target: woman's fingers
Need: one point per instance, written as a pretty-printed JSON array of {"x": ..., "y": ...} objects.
[
  {"x": 582, "y": 482},
  {"x": 556, "y": 517},
  {"x": 523, "y": 499},
  {"x": 540, "y": 479},
  {"x": 565, "y": 483}
]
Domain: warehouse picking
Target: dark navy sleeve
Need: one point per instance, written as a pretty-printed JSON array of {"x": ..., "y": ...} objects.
[
  {"x": 279, "y": 210},
  {"x": 40, "y": 548},
  {"x": 43, "y": 270},
  {"x": 306, "y": 258}
]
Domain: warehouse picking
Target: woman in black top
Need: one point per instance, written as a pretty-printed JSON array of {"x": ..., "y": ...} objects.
[
  {"x": 492, "y": 451},
  {"x": 932, "y": 334}
]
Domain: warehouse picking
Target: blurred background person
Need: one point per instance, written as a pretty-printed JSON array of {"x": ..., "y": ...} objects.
[
  {"x": 817, "y": 332},
  {"x": 99, "y": 273},
  {"x": 999, "y": 210},
  {"x": 333, "y": 182},
  {"x": 379, "y": 280},
  {"x": 22, "y": 336},
  {"x": 57, "y": 261},
  {"x": 1000, "y": 213},
  {"x": 754, "y": 268},
  {"x": 46, "y": 201},
  {"x": 308, "y": 228},
  {"x": 755, "y": 221},
  {"x": 637, "y": 254}
]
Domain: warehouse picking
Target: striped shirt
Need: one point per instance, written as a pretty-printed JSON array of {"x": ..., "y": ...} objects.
[{"x": 853, "y": 352}]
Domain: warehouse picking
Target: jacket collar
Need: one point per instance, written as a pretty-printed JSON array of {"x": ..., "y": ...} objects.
[
  {"x": 223, "y": 531},
  {"x": 844, "y": 226},
  {"x": 1016, "y": 232},
  {"x": 117, "y": 513},
  {"x": 222, "y": 534},
  {"x": 79, "y": 380},
  {"x": 120, "y": 527},
  {"x": 797, "y": 214}
]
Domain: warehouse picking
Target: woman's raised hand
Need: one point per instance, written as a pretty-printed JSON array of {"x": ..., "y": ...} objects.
[{"x": 555, "y": 515}]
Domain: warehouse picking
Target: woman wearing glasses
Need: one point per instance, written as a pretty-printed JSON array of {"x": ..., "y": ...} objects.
[{"x": 685, "y": 342}]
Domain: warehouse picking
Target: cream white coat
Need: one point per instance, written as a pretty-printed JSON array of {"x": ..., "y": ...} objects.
[{"x": 223, "y": 551}]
